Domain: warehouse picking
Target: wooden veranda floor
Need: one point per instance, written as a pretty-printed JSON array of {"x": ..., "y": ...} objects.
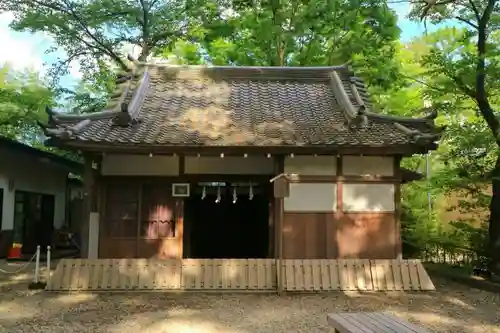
[{"x": 238, "y": 274}]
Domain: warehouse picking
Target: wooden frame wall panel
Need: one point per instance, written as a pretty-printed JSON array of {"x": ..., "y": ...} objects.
[
  {"x": 365, "y": 236},
  {"x": 140, "y": 165},
  {"x": 228, "y": 165},
  {"x": 157, "y": 208},
  {"x": 310, "y": 165},
  {"x": 137, "y": 246},
  {"x": 380, "y": 166},
  {"x": 304, "y": 235},
  {"x": 116, "y": 246},
  {"x": 368, "y": 197},
  {"x": 311, "y": 198}
]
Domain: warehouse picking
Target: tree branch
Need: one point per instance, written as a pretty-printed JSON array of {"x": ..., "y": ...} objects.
[
  {"x": 66, "y": 63},
  {"x": 460, "y": 84},
  {"x": 467, "y": 22},
  {"x": 106, "y": 49},
  {"x": 431, "y": 86},
  {"x": 475, "y": 10}
]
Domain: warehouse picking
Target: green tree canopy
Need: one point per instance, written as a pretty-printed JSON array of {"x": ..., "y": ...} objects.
[
  {"x": 465, "y": 69},
  {"x": 23, "y": 97},
  {"x": 272, "y": 33}
]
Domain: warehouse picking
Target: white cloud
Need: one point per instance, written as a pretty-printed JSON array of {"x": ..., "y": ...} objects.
[
  {"x": 74, "y": 70},
  {"x": 21, "y": 51}
]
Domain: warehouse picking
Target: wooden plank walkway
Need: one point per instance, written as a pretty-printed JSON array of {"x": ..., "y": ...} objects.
[
  {"x": 355, "y": 275},
  {"x": 170, "y": 274},
  {"x": 371, "y": 322},
  {"x": 238, "y": 274}
]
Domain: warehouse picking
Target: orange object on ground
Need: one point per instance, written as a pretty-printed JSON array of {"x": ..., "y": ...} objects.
[{"x": 15, "y": 251}]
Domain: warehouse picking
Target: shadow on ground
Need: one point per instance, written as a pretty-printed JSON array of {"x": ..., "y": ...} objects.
[
  {"x": 463, "y": 276},
  {"x": 453, "y": 308}
]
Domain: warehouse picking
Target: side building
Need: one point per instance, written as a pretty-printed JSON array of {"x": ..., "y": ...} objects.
[{"x": 35, "y": 193}]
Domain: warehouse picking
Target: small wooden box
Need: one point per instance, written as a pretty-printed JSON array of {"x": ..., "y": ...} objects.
[{"x": 281, "y": 187}]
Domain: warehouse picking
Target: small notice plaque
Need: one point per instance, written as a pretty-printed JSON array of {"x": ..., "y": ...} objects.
[
  {"x": 180, "y": 190},
  {"x": 281, "y": 185},
  {"x": 281, "y": 188}
]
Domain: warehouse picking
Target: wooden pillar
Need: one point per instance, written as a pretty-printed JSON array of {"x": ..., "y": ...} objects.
[
  {"x": 279, "y": 166},
  {"x": 397, "y": 205},
  {"x": 89, "y": 202},
  {"x": 332, "y": 244},
  {"x": 179, "y": 227},
  {"x": 182, "y": 230},
  {"x": 138, "y": 238}
]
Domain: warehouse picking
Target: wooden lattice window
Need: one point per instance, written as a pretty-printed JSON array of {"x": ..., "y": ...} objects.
[
  {"x": 158, "y": 212},
  {"x": 122, "y": 210}
]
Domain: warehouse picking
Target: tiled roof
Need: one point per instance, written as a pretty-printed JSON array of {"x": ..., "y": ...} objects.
[{"x": 242, "y": 106}]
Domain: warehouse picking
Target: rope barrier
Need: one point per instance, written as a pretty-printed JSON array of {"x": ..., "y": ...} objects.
[{"x": 20, "y": 268}]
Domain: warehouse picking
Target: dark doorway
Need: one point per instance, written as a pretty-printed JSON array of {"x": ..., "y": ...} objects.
[
  {"x": 33, "y": 220},
  {"x": 1, "y": 208},
  {"x": 221, "y": 227}
]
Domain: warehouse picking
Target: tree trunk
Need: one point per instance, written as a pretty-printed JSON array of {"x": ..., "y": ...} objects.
[
  {"x": 145, "y": 52},
  {"x": 494, "y": 223}
]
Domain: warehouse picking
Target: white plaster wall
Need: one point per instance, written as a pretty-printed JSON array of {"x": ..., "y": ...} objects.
[
  {"x": 368, "y": 197},
  {"x": 311, "y": 197},
  {"x": 251, "y": 165},
  {"x": 31, "y": 175},
  {"x": 367, "y": 166},
  {"x": 139, "y": 165},
  {"x": 311, "y": 165}
]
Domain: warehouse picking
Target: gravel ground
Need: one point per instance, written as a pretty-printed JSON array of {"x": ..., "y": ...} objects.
[{"x": 453, "y": 308}]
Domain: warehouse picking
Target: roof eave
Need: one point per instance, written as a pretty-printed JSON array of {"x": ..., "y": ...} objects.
[
  {"x": 145, "y": 148},
  {"x": 60, "y": 161}
]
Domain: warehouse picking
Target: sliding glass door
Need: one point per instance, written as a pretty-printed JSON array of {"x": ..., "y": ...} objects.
[{"x": 33, "y": 220}]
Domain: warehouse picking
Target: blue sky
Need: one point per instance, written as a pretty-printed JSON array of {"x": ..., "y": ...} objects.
[
  {"x": 409, "y": 29},
  {"x": 27, "y": 51},
  {"x": 23, "y": 50}
]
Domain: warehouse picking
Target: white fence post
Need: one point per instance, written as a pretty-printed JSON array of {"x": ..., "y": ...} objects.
[
  {"x": 37, "y": 264},
  {"x": 48, "y": 265}
]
